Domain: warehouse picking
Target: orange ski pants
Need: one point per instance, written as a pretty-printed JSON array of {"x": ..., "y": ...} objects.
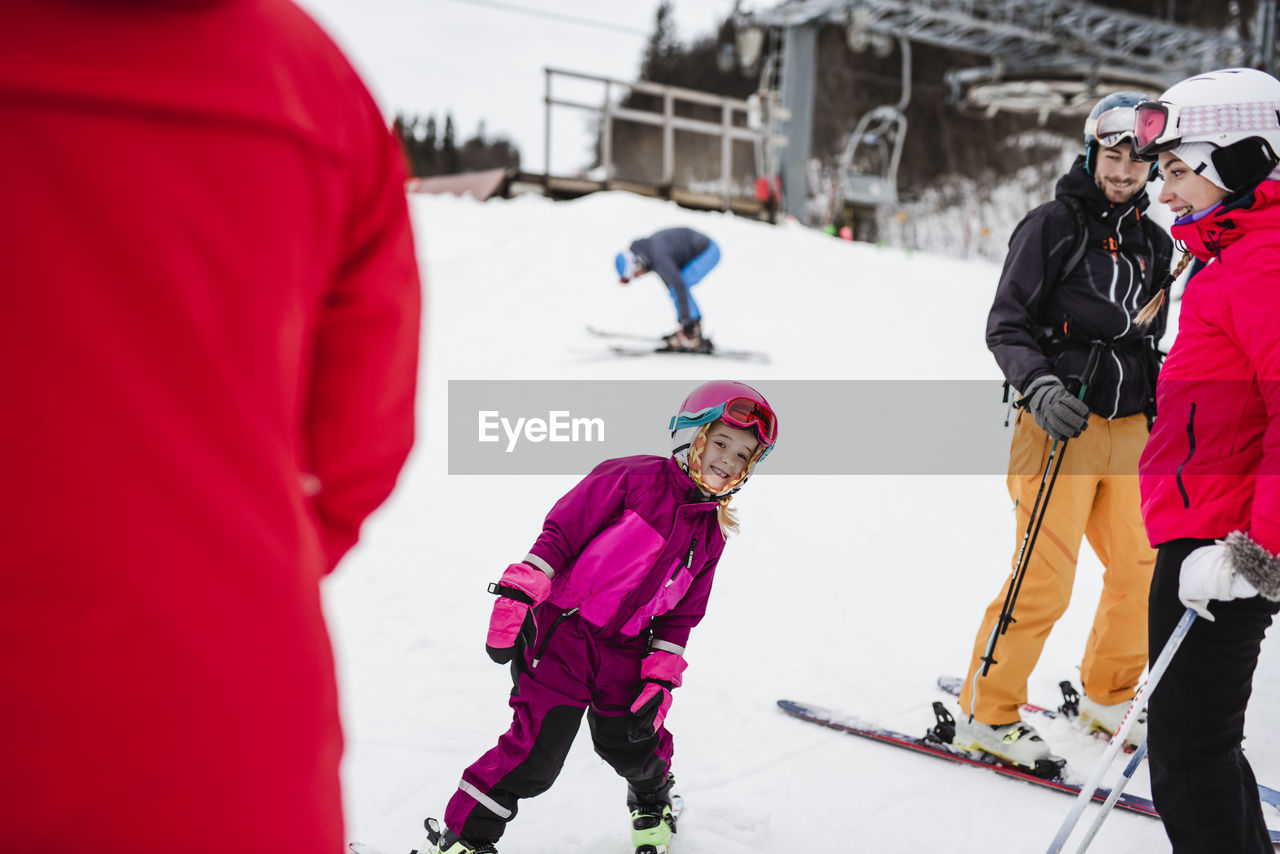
[{"x": 1095, "y": 495}]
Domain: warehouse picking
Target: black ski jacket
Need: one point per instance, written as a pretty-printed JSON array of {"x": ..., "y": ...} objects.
[
  {"x": 666, "y": 253},
  {"x": 1042, "y": 322}
]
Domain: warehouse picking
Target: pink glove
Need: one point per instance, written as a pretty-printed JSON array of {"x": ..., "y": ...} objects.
[
  {"x": 522, "y": 587},
  {"x": 661, "y": 672}
]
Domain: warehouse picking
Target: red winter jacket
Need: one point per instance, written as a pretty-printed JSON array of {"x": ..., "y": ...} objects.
[
  {"x": 208, "y": 330},
  {"x": 1212, "y": 464}
]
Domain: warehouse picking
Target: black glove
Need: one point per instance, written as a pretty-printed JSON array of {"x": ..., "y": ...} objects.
[{"x": 1058, "y": 413}]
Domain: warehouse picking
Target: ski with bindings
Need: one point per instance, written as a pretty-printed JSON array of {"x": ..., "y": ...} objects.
[
  {"x": 433, "y": 835},
  {"x": 936, "y": 742},
  {"x": 624, "y": 336},
  {"x": 1070, "y": 707},
  {"x": 658, "y": 346},
  {"x": 951, "y": 684},
  {"x": 734, "y": 355}
]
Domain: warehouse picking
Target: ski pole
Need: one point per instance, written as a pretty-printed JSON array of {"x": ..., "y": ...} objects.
[
  {"x": 1117, "y": 740},
  {"x": 1029, "y": 537},
  {"x": 1038, "y": 508},
  {"x": 1116, "y": 791}
]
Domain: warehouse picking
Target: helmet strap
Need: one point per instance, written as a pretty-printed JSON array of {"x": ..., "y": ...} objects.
[{"x": 694, "y": 466}]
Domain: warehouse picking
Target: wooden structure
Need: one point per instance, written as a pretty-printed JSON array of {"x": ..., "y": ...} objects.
[{"x": 751, "y": 121}]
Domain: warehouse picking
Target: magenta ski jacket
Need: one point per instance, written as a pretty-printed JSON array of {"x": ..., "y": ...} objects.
[{"x": 633, "y": 546}]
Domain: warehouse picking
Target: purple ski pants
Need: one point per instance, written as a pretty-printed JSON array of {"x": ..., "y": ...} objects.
[{"x": 570, "y": 671}]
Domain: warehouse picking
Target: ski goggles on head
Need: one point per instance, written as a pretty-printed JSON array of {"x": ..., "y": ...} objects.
[
  {"x": 1160, "y": 127},
  {"x": 1112, "y": 127},
  {"x": 747, "y": 414},
  {"x": 740, "y": 412},
  {"x": 1155, "y": 129}
]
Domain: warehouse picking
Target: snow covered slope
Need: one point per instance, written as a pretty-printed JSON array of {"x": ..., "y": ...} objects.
[{"x": 849, "y": 591}]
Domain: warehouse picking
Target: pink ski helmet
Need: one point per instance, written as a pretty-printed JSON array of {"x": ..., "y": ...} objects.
[{"x": 736, "y": 404}]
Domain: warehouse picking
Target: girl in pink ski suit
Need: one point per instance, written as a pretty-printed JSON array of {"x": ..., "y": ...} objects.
[{"x": 595, "y": 618}]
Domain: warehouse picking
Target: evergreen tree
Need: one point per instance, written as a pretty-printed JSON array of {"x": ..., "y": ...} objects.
[
  {"x": 662, "y": 47},
  {"x": 450, "y": 159},
  {"x": 430, "y": 148}
]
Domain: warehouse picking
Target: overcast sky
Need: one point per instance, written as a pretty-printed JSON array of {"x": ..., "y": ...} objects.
[{"x": 483, "y": 60}]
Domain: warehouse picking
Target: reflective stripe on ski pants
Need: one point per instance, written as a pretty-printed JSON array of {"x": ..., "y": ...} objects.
[
  {"x": 1201, "y": 781},
  {"x": 577, "y": 672},
  {"x": 1095, "y": 495}
]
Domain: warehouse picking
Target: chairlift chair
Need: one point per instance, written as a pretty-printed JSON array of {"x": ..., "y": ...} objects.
[{"x": 868, "y": 166}]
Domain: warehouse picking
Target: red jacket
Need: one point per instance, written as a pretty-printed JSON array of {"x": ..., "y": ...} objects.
[
  {"x": 1213, "y": 460},
  {"x": 208, "y": 325}
]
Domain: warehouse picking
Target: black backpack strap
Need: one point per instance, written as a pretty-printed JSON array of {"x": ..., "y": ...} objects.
[{"x": 1082, "y": 237}]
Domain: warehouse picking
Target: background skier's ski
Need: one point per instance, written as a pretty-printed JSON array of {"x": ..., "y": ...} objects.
[{"x": 659, "y": 346}]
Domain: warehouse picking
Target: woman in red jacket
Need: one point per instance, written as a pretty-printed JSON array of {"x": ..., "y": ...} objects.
[
  {"x": 209, "y": 323},
  {"x": 1210, "y": 494}
]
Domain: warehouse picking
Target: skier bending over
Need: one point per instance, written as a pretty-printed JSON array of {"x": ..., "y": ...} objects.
[
  {"x": 682, "y": 257},
  {"x": 596, "y": 617}
]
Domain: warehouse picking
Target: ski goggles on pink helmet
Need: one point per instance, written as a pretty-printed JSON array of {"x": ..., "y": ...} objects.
[{"x": 740, "y": 412}]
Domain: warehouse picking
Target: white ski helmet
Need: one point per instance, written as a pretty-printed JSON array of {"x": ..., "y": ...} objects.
[
  {"x": 736, "y": 404},
  {"x": 1224, "y": 124}
]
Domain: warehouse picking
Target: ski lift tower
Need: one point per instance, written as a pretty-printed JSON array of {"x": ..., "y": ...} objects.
[{"x": 1046, "y": 56}]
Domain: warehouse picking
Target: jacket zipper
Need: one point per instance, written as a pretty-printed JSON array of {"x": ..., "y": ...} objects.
[
  {"x": 542, "y": 647},
  {"x": 688, "y": 563},
  {"x": 1191, "y": 440}
]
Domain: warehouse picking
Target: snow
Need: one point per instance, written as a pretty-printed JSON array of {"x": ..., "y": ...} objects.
[{"x": 848, "y": 591}]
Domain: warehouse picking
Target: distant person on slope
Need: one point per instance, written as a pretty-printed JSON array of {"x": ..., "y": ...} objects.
[
  {"x": 595, "y": 619},
  {"x": 682, "y": 257},
  {"x": 1210, "y": 490},
  {"x": 1056, "y": 327},
  {"x": 210, "y": 330}
]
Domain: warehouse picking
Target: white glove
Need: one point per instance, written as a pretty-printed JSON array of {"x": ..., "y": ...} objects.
[{"x": 1207, "y": 574}]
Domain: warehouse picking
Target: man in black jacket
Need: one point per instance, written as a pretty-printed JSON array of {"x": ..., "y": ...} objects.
[
  {"x": 681, "y": 257},
  {"x": 1061, "y": 328}
]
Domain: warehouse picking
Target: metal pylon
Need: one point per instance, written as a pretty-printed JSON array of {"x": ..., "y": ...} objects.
[
  {"x": 1062, "y": 35},
  {"x": 1024, "y": 39}
]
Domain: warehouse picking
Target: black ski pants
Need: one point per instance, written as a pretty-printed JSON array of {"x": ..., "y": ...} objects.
[{"x": 1201, "y": 782}]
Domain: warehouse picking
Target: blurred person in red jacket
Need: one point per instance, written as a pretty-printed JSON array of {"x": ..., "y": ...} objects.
[{"x": 209, "y": 326}]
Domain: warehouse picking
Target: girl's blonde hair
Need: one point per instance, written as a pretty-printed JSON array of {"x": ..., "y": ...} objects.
[{"x": 728, "y": 517}]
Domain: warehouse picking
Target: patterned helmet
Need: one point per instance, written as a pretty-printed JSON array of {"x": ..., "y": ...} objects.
[{"x": 1226, "y": 122}]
